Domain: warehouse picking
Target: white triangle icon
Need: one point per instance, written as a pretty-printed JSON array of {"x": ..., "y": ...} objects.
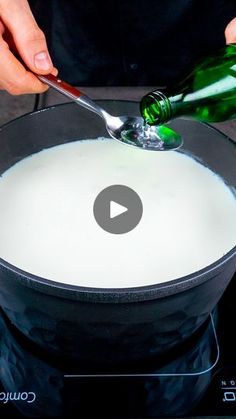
[{"x": 116, "y": 209}]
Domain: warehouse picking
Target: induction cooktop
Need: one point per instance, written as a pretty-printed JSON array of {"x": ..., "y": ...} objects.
[{"x": 197, "y": 378}]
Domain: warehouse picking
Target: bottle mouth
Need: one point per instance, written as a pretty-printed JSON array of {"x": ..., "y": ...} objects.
[
  {"x": 164, "y": 106},
  {"x": 156, "y": 108}
]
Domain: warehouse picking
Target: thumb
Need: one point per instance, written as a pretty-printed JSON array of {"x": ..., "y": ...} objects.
[{"x": 29, "y": 40}]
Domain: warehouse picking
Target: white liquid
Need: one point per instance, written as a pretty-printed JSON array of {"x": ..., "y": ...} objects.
[{"x": 47, "y": 225}]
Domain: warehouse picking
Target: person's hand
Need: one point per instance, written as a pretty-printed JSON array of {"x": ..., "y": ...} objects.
[
  {"x": 230, "y": 32},
  {"x": 20, "y": 35}
]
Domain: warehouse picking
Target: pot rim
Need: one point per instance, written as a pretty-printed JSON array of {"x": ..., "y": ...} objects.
[
  {"x": 118, "y": 295},
  {"x": 115, "y": 295}
]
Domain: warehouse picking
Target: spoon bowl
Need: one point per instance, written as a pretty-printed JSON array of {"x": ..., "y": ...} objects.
[
  {"x": 129, "y": 130},
  {"x": 134, "y": 132}
]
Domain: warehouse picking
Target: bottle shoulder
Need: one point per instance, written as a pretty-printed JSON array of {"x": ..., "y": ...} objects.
[{"x": 213, "y": 68}]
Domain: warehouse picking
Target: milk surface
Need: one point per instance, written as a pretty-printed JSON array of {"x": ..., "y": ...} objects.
[{"x": 47, "y": 226}]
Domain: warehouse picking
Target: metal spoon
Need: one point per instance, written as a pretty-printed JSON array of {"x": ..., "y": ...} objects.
[{"x": 127, "y": 129}]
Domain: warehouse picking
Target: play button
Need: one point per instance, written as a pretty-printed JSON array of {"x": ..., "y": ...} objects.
[{"x": 118, "y": 209}]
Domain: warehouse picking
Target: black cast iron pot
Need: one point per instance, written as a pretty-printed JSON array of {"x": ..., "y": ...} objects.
[{"x": 110, "y": 327}]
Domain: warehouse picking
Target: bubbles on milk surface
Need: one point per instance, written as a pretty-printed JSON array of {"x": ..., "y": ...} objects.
[{"x": 48, "y": 227}]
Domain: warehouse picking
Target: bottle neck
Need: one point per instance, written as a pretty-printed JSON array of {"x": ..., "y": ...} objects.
[
  {"x": 157, "y": 108},
  {"x": 161, "y": 107},
  {"x": 173, "y": 106}
]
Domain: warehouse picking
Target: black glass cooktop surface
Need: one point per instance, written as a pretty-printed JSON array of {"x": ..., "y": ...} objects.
[{"x": 196, "y": 379}]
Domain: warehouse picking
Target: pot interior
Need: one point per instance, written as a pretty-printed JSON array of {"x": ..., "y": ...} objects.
[{"x": 68, "y": 122}]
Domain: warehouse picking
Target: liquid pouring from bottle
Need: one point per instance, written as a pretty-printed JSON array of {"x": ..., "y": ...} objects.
[{"x": 129, "y": 130}]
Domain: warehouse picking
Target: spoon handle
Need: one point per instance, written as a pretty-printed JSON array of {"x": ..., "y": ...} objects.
[
  {"x": 72, "y": 93},
  {"x": 61, "y": 86}
]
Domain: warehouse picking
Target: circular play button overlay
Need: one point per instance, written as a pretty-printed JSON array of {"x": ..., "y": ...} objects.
[{"x": 118, "y": 209}]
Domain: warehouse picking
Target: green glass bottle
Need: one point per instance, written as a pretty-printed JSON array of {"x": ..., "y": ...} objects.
[{"x": 207, "y": 94}]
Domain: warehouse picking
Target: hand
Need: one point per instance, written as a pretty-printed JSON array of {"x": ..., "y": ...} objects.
[
  {"x": 20, "y": 34},
  {"x": 230, "y": 32}
]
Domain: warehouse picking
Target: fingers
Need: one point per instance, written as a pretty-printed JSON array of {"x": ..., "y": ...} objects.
[
  {"x": 19, "y": 28},
  {"x": 14, "y": 77},
  {"x": 29, "y": 39},
  {"x": 230, "y": 32}
]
